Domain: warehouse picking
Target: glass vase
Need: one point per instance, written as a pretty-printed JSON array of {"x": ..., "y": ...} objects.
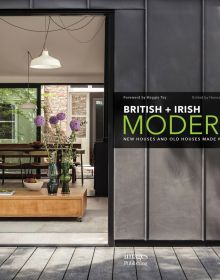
[
  {"x": 53, "y": 183},
  {"x": 65, "y": 178}
]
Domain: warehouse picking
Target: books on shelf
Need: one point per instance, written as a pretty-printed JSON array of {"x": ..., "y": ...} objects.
[{"x": 6, "y": 192}]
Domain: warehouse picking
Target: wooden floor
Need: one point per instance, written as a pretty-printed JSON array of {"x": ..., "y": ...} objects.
[{"x": 119, "y": 263}]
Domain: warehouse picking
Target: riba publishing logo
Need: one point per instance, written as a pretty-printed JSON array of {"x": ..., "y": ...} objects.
[{"x": 135, "y": 259}]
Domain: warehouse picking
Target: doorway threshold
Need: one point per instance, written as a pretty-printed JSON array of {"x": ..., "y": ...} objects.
[{"x": 53, "y": 239}]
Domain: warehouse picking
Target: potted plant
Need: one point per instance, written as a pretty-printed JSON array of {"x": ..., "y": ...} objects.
[{"x": 62, "y": 144}]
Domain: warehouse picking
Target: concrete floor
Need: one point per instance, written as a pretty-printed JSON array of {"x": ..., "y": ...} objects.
[{"x": 92, "y": 230}]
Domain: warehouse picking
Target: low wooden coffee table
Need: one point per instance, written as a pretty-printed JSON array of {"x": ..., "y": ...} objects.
[{"x": 26, "y": 203}]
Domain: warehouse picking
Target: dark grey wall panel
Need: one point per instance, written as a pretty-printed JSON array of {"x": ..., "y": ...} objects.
[
  {"x": 174, "y": 45},
  {"x": 175, "y": 64},
  {"x": 212, "y": 84},
  {"x": 129, "y": 201},
  {"x": 60, "y": 4},
  {"x": 129, "y": 51},
  {"x": 117, "y": 4},
  {"x": 175, "y": 179},
  {"x": 14, "y": 4},
  {"x": 129, "y": 164},
  {"x": 212, "y": 43},
  {"x": 73, "y": 4},
  {"x": 212, "y": 194}
]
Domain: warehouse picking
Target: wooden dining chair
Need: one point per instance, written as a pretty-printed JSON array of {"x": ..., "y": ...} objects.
[
  {"x": 80, "y": 153},
  {"x": 13, "y": 164},
  {"x": 36, "y": 161}
]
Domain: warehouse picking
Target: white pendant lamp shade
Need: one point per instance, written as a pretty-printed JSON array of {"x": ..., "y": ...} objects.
[{"x": 45, "y": 61}]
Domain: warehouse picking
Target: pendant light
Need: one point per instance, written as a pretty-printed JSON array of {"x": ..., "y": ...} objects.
[
  {"x": 45, "y": 61},
  {"x": 28, "y": 105}
]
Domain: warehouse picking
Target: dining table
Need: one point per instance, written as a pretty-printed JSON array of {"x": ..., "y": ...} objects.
[{"x": 37, "y": 152}]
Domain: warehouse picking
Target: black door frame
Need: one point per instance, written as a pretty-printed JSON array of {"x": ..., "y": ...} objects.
[{"x": 108, "y": 92}]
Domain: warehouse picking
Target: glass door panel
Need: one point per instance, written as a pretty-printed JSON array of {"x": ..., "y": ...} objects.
[{"x": 16, "y": 124}]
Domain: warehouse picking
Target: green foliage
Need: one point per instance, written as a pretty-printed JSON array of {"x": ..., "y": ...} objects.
[{"x": 17, "y": 97}]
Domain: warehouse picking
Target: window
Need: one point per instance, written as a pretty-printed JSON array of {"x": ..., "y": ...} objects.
[
  {"x": 17, "y": 124},
  {"x": 7, "y": 122}
]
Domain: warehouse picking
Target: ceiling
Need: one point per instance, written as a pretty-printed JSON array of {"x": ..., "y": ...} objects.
[{"x": 82, "y": 61}]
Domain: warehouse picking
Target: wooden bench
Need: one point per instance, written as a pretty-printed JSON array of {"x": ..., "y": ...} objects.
[{"x": 26, "y": 203}]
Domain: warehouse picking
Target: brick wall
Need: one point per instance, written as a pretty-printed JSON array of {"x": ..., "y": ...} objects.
[
  {"x": 79, "y": 112},
  {"x": 55, "y": 98}
]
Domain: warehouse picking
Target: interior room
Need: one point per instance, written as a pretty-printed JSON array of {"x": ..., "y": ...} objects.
[{"x": 53, "y": 147}]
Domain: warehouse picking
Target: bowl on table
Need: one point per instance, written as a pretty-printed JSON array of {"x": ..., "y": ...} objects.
[{"x": 33, "y": 184}]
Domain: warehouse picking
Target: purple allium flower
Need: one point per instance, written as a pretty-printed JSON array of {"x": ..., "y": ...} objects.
[
  {"x": 61, "y": 116},
  {"x": 53, "y": 120},
  {"x": 75, "y": 125},
  {"x": 39, "y": 121}
]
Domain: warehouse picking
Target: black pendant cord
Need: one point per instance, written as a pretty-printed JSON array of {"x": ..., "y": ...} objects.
[
  {"x": 52, "y": 30},
  {"x": 61, "y": 27},
  {"x": 75, "y": 29},
  {"x": 75, "y": 38},
  {"x": 28, "y": 64},
  {"x": 46, "y": 35}
]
